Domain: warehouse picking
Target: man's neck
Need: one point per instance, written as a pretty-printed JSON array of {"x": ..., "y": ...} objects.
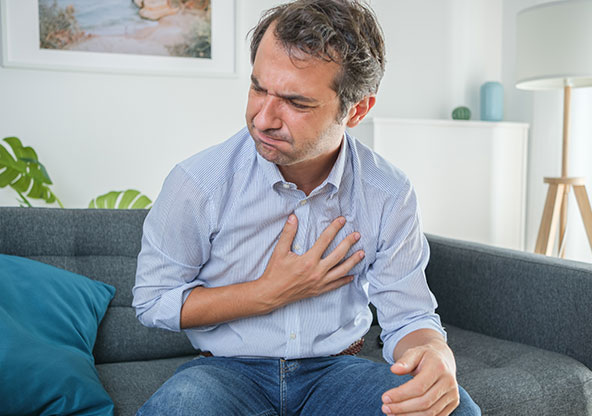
[{"x": 310, "y": 174}]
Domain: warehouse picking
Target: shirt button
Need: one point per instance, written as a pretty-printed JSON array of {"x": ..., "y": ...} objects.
[
  {"x": 286, "y": 186},
  {"x": 297, "y": 247},
  {"x": 292, "y": 336},
  {"x": 303, "y": 202}
]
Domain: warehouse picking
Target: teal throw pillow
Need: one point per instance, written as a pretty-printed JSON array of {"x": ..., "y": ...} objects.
[{"x": 48, "y": 326}]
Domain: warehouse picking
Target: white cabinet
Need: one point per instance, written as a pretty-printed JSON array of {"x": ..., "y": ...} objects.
[{"x": 470, "y": 176}]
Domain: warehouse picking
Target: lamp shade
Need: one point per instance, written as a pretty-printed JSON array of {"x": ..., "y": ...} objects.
[{"x": 554, "y": 45}]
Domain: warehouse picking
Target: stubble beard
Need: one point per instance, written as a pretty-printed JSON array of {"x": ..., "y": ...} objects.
[{"x": 310, "y": 150}]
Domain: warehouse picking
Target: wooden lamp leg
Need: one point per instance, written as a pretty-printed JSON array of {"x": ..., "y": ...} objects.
[
  {"x": 548, "y": 228},
  {"x": 564, "y": 166},
  {"x": 585, "y": 210},
  {"x": 557, "y": 196}
]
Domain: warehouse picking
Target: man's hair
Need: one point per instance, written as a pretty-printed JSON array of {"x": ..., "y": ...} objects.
[{"x": 342, "y": 31}]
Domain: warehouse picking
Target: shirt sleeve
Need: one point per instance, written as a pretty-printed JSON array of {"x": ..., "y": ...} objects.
[
  {"x": 397, "y": 283},
  {"x": 175, "y": 246}
]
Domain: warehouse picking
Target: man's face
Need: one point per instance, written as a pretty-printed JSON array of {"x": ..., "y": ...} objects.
[{"x": 292, "y": 109}]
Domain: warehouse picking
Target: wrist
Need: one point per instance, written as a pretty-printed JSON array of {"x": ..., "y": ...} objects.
[
  {"x": 261, "y": 292},
  {"x": 426, "y": 338}
]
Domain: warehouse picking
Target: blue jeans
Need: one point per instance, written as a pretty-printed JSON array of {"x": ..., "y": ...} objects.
[{"x": 343, "y": 385}]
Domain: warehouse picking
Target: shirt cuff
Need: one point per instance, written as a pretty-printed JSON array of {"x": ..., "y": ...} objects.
[{"x": 165, "y": 312}]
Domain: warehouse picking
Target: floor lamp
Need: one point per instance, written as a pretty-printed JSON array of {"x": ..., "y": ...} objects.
[{"x": 554, "y": 51}]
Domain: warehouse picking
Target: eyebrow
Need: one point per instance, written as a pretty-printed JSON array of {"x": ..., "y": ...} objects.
[{"x": 289, "y": 97}]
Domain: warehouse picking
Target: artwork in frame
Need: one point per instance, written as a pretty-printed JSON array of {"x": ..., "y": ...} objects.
[{"x": 159, "y": 37}]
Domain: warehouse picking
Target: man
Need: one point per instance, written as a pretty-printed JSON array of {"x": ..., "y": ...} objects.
[{"x": 266, "y": 249}]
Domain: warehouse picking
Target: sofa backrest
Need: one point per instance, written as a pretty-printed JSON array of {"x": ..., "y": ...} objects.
[
  {"x": 514, "y": 295},
  {"x": 102, "y": 245}
]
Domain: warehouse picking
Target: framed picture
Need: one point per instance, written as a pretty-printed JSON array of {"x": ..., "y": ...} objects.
[{"x": 156, "y": 37}]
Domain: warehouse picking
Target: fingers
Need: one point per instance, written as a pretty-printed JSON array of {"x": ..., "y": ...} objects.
[
  {"x": 408, "y": 362},
  {"x": 417, "y": 386},
  {"x": 440, "y": 399},
  {"x": 336, "y": 284},
  {"x": 284, "y": 244},
  {"x": 341, "y": 250},
  {"x": 346, "y": 266},
  {"x": 326, "y": 237},
  {"x": 433, "y": 389}
]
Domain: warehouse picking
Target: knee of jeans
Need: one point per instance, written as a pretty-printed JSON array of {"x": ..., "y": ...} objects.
[
  {"x": 199, "y": 383},
  {"x": 194, "y": 390},
  {"x": 466, "y": 407}
]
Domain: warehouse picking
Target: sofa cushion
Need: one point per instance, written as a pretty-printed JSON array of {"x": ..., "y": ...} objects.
[
  {"x": 70, "y": 239},
  {"x": 508, "y": 378},
  {"x": 48, "y": 320},
  {"x": 130, "y": 384}
]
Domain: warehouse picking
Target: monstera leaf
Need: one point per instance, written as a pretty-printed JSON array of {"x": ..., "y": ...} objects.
[
  {"x": 129, "y": 199},
  {"x": 24, "y": 173}
]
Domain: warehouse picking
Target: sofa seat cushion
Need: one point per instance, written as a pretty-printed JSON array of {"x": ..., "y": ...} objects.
[
  {"x": 131, "y": 383},
  {"x": 504, "y": 378},
  {"x": 508, "y": 378}
]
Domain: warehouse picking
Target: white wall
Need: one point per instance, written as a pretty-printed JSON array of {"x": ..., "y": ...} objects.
[
  {"x": 439, "y": 54},
  {"x": 99, "y": 132},
  {"x": 544, "y": 111}
]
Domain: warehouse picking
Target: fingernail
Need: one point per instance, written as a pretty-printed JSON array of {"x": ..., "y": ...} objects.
[
  {"x": 357, "y": 236},
  {"x": 292, "y": 219},
  {"x": 341, "y": 220},
  {"x": 387, "y": 399},
  {"x": 362, "y": 254},
  {"x": 385, "y": 410}
]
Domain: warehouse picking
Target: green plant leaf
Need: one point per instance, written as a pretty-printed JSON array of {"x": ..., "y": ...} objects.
[
  {"x": 107, "y": 200},
  {"x": 22, "y": 184},
  {"x": 38, "y": 171},
  {"x": 6, "y": 159},
  {"x": 127, "y": 198},
  {"x": 24, "y": 173},
  {"x": 121, "y": 200},
  {"x": 7, "y": 177},
  {"x": 142, "y": 202}
]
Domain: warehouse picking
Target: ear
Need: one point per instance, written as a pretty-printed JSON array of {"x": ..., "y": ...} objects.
[{"x": 358, "y": 112}]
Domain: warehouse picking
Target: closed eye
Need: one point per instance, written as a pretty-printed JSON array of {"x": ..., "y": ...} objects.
[
  {"x": 300, "y": 106},
  {"x": 257, "y": 88}
]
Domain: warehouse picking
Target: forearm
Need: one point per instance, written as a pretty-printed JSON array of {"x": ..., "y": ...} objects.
[
  {"x": 427, "y": 338},
  {"x": 210, "y": 306}
]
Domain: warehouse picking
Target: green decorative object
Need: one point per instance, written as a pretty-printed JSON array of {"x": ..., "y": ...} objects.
[
  {"x": 24, "y": 173},
  {"x": 461, "y": 113},
  {"x": 129, "y": 199}
]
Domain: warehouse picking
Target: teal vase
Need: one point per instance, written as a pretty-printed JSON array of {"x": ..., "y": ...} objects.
[{"x": 492, "y": 101}]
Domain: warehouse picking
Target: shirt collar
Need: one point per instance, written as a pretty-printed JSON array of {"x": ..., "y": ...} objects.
[
  {"x": 336, "y": 174},
  {"x": 274, "y": 176}
]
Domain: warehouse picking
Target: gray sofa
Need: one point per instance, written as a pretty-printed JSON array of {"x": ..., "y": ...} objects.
[{"x": 520, "y": 324}]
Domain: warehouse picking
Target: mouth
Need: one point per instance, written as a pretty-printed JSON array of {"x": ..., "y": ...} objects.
[{"x": 272, "y": 141}]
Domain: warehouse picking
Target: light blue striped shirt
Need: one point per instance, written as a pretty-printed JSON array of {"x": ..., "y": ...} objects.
[{"x": 216, "y": 223}]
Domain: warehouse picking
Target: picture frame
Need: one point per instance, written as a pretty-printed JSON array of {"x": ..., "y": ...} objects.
[{"x": 19, "y": 20}]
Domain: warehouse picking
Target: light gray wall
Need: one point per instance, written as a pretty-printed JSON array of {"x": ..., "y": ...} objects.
[
  {"x": 97, "y": 132},
  {"x": 544, "y": 111}
]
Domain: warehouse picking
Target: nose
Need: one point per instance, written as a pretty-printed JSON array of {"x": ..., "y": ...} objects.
[{"x": 268, "y": 117}]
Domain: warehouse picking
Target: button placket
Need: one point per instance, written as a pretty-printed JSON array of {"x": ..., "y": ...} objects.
[{"x": 302, "y": 211}]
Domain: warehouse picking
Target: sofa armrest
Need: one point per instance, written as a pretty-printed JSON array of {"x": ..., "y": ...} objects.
[{"x": 523, "y": 297}]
